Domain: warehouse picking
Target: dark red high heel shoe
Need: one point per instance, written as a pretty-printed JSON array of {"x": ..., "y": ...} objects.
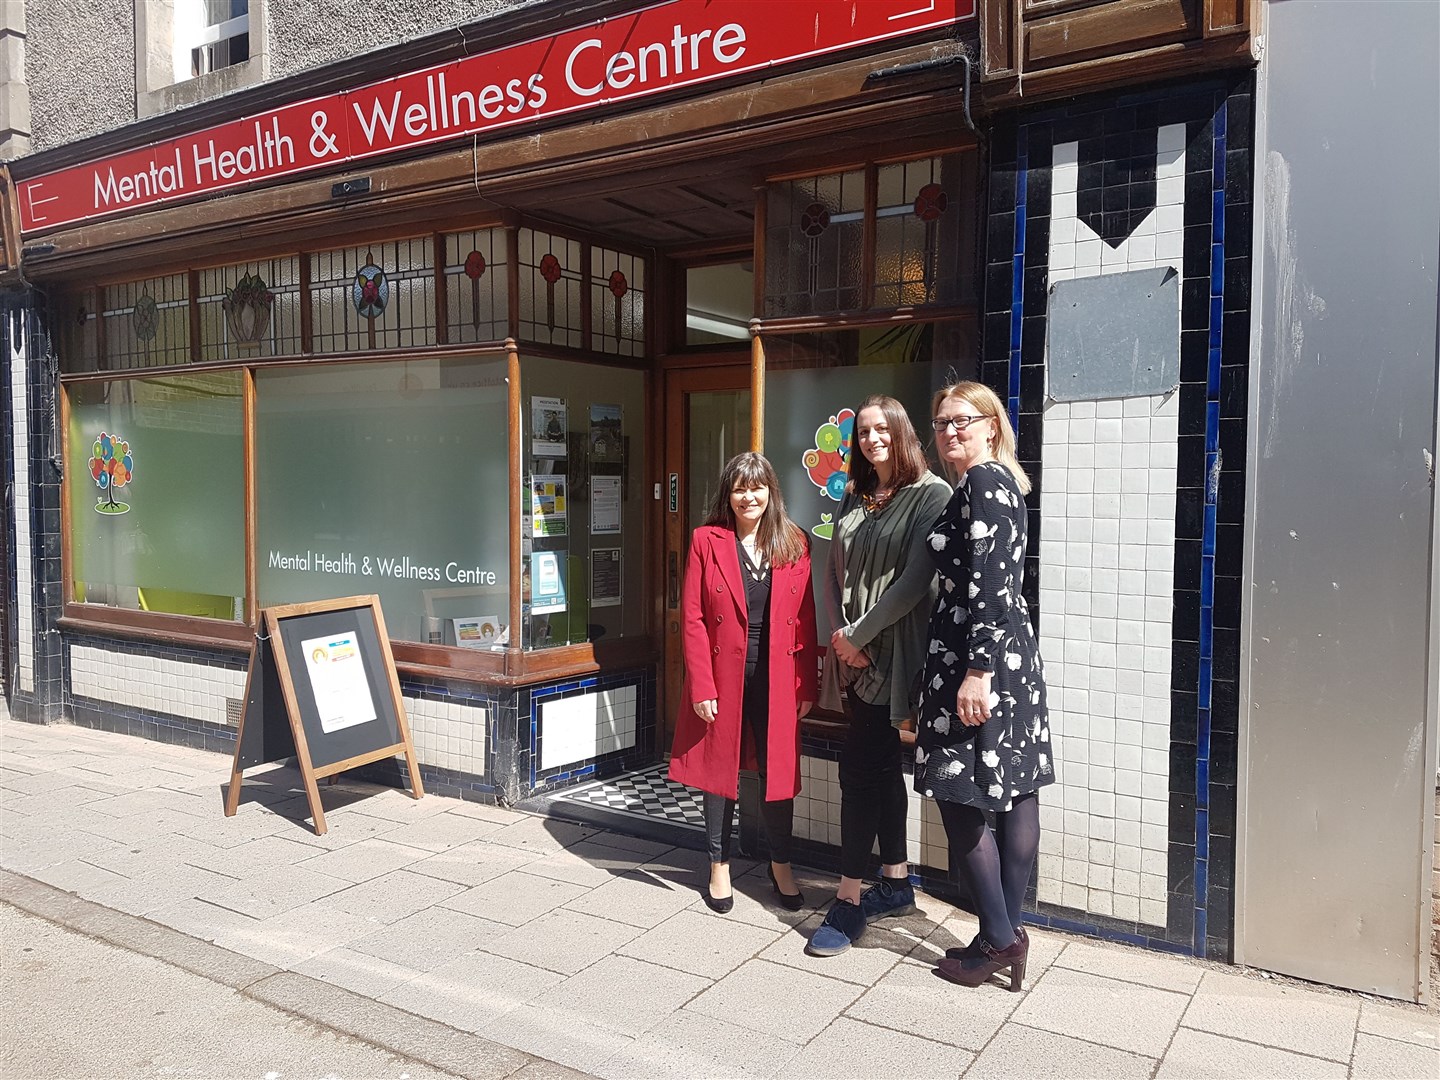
[
  {"x": 972, "y": 951},
  {"x": 973, "y": 972}
]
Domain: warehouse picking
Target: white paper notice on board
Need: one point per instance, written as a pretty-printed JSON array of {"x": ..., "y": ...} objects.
[{"x": 337, "y": 677}]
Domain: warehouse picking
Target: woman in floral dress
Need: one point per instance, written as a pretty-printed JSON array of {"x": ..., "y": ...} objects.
[{"x": 984, "y": 740}]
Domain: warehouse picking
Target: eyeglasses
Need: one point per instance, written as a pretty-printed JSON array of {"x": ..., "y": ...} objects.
[{"x": 959, "y": 423}]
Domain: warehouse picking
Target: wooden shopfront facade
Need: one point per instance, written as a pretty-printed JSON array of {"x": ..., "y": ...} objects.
[{"x": 476, "y": 332}]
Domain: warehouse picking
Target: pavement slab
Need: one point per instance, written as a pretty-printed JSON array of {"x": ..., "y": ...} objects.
[
  {"x": 514, "y": 898},
  {"x": 619, "y": 992},
  {"x": 640, "y": 899},
  {"x": 472, "y": 864},
  {"x": 472, "y": 991},
  {"x": 750, "y": 996},
  {"x": 296, "y": 935},
  {"x": 586, "y": 863},
  {"x": 1287, "y": 1017},
  {"x": 1377, "y": 1058},
  {"x": 425, "y": 940},
  {"x": 1405, "y": 1024},
  {"x": 910, "y": 998},
  {"x": 695, "y": 942},
  {"x": 441, "y": 831},
  {"x": 1130, "y": 964},
  {"x": 363, "y": 860},
  {"x": 157, "y": 889},
  {"x": 393, "y": 896},
  {"x": 260, "y": 897},
  {"x": 1198, "y": 1055},
  {"x": 540, "y": 835},
  {"x": 848, "y": 1048},
  {"x": 359, "y": 972},
  {"x": 690, "y": 1044},
  {"x": 1124, "y": 1015},
  {"x": 558, "y": 1037},
  {"x": 1025, "y": 1053},
  {"x": 878, "y": 950},
  {"x": 201, "y": 919},
  {"x": 563, "y": 941}
]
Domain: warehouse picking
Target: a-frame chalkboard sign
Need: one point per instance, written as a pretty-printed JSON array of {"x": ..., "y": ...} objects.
[{"x": 322, "y": 688}]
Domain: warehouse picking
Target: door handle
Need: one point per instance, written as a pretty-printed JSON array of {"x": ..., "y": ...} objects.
[{"x": 672, "y": 587}]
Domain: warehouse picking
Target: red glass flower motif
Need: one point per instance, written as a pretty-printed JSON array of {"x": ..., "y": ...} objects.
[
  {"x": 475, "y": 266},
  {"x": 931, "y": 202},
  {"x": 618, "y": 285},
  {"x": 550, "y": 269}
]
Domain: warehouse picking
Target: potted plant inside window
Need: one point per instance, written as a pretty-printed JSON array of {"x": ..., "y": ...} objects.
[{"x": 247, "y": 310}]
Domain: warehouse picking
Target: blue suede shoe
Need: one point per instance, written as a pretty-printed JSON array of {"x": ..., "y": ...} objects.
[
  {"x": 888, "y": 898},
  {"x": 843, "y": 926}
]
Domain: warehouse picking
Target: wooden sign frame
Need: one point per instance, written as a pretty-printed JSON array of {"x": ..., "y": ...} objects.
[{"x": 269, "y": 656}]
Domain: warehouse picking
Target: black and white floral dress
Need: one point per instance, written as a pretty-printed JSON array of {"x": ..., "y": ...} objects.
[{"x": 981, "y": 621}]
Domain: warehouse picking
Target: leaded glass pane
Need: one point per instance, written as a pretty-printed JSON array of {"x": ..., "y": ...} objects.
[{"x": 381, "y": 296}]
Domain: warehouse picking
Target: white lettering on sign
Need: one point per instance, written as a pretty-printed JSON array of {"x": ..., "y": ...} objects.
[
  {"x": 401, "y": 567},
  {"x": 684, "y": 53},
  {"x": 663, "y": 46}
]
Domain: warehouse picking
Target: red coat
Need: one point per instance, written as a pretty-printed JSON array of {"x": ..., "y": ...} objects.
[{"x": 715, "y": 633}]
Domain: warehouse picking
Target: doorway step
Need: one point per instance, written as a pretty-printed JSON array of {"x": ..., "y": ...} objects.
[{"x": 641, "y": 803}]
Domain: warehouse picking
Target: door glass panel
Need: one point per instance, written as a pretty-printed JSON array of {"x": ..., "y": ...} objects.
[{"x": 719, "y": 427}]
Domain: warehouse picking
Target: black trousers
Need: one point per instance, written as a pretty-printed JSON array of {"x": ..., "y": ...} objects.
[
  {"x": 778, "y": 816},
  {"x": 872, "y": 790}
]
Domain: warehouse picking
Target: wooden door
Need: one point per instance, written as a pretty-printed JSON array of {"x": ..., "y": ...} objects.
[{"x": 707, "y": 421}]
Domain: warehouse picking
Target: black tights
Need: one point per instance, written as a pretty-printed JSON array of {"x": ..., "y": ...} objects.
[
  {"x": 996, "y": 865},
  {"x": 779, "y": 815}
]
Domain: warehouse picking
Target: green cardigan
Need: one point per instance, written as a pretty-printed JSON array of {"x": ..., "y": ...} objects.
[{"x": 880, "y": 586}]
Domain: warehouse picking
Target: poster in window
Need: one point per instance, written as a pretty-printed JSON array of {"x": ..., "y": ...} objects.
[
  {"x": 548, "y": 424},
  {"x": 606, "y": 432},
  {"x": 605, "y": 577},
  {"x": 547, "y": 584},
  {"x": 604, "y": 504},
  {"x": 337, "y": 678},
  {"x": 477, "y": 631},
  {"x": 547, "y": 506}
]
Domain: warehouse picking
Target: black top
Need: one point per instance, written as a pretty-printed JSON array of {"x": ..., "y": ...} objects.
[{"x": 757, "y": 606}]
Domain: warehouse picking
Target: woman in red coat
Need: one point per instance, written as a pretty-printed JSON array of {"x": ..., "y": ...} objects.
[{"x": 748, "y": 624}]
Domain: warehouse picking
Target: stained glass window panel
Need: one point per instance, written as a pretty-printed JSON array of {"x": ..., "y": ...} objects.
[
  {"x": 476, "y": 286},
  {"x": 617, "y": 302},
  {"x": 923, "y": 221},
  {"x": 550, "y": 283},
  {"x": 250, "y": 310},
  {"x": 147, "y": 323},
  {"x": 814, "y": 245},
  {"x": 381, "y": 296}
]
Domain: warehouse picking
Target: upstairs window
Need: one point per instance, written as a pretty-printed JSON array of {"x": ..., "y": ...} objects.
[{"x": 210, "y": 35}]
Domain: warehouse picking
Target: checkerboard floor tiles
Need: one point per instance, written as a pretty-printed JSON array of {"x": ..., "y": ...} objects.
[{"x": 645, "y": 793}]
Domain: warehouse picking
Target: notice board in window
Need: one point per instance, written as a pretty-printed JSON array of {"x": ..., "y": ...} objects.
[{"x": 322, "y": 686}]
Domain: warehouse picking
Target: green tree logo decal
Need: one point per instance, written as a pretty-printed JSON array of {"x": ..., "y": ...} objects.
[{"x": 112, "y": 468}]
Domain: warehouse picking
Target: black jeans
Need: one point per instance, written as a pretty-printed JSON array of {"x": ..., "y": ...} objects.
[
  {"x": 872, "y": 790},
  {"x": 779, "y": 816}
]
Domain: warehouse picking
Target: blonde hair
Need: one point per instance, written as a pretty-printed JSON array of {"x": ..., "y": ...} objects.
[{"x": 986, "y": 402}]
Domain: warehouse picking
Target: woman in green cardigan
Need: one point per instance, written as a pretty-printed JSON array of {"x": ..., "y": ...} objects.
[{"x": 879, "y": 587}]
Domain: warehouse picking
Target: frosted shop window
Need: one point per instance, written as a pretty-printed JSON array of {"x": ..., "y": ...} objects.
[
  {"x": 156, "y": 485},
  {"x": 813, "y": 383},
  {"x": 389, "y": 478},
  {"x": 917, "y": 217}
]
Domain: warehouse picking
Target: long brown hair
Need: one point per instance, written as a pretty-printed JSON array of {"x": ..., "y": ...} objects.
[
  {"x": 986, "y": 402},
  {"x": 907, "y": 454},
  {"x": 777, "y": 538}
]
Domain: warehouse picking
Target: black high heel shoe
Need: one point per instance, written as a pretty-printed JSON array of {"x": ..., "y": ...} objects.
[
  {"x": 974, "y": 971},
  {"x": 789, "y": 901},
  {"x": 718, "y": 904}
]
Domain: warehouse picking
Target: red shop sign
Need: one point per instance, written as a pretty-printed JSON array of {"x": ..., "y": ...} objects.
[{"x": 669, "y": 45}]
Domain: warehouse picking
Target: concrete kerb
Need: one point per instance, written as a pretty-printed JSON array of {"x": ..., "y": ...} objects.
[{"x": 353, "y": 1015}]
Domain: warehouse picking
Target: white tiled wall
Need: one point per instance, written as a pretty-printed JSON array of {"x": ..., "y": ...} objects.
[
  {"x": 1107, "y": 556},
  {"x": 24, "y": 561},
  {"x": 447, "y": 734},
  {"x": 584, "y": 726},
  {"x": 153, "y": 683},
  {"x": 817, "y": 814}
]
